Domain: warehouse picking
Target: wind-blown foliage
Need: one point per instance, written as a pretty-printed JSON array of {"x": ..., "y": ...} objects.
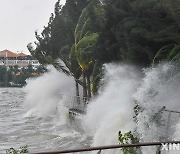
[
  {"x": 167, "y": 53},
  {"x": 85, "y": 34},
  {"x": 138, "y": 29},
  {"x": 57, "y": 37}
]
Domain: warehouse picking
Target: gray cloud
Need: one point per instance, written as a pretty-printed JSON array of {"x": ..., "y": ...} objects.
[{"x": 19, "y": 19}]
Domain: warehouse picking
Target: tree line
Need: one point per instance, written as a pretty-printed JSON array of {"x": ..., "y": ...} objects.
[
  {"x": 15, "y": 77},
  {"x": 83, "y": 35}
]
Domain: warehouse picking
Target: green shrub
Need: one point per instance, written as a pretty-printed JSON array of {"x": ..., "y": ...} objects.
[{"x": 22, "y": 150}]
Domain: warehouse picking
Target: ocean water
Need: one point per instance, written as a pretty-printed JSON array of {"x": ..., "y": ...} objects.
[
  {"x": 38, "y": 116},
  {"x": 39, "y": 133}
]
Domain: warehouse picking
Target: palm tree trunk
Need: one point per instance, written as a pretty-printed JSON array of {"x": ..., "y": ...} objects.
[
  {"x": 88, "y": 87},
  {"x": 77, "y": 93},
  {"x": 84, "y": 85},
  {"x": 77, "y": 89}
]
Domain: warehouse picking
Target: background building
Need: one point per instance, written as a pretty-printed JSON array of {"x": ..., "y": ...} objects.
[{"x": 9, "y": 58}]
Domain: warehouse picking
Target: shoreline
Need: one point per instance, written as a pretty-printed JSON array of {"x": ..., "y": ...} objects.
[{"x": 12, "y": 86}]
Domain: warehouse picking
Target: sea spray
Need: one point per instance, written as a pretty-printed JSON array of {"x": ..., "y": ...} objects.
[
  {"x": 112, "y": 111},
  {"x": 159, "y": 91},
  {"x": 155, "y": 92},
  {"x": 47, "y": 100},
  {"x": 42, "y": 93}
]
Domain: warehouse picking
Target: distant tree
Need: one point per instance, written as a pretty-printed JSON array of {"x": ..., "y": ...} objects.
[
  {"x": 40, "y": 69},
  {"x": 16, "y": 70},
  {"x": 2, "y": 72},
  {"x": 30, "y": 69},
  {"x": 24, "y": 70}
]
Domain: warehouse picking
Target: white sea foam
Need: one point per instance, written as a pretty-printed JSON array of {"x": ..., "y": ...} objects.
[
  {"x": 112, "y": 110},
  {"x": 42, "y": 93}
]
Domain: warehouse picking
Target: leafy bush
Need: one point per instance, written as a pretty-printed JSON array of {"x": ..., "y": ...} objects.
[
  {"x": 22, "y": 150},
  {"x": 128, "y": 138}
]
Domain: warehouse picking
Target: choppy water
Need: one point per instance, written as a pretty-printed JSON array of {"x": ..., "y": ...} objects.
[
  {"x": 40, "y": 134},
  {"x": 36, "y": 116}
]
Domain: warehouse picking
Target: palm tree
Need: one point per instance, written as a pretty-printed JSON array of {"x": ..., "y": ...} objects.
[{"x": 86, "y": 35}]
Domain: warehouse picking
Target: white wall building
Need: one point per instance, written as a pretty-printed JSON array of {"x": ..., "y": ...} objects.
[{"x": 8, "y": 58}]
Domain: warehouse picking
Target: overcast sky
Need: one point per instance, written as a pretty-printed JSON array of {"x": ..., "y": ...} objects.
[{"x": 19, "y": 19}]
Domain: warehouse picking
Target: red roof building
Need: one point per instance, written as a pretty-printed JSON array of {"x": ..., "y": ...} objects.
[
  {"x": 21, "y": 55},
  {"x": 7, "y": 53}
]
